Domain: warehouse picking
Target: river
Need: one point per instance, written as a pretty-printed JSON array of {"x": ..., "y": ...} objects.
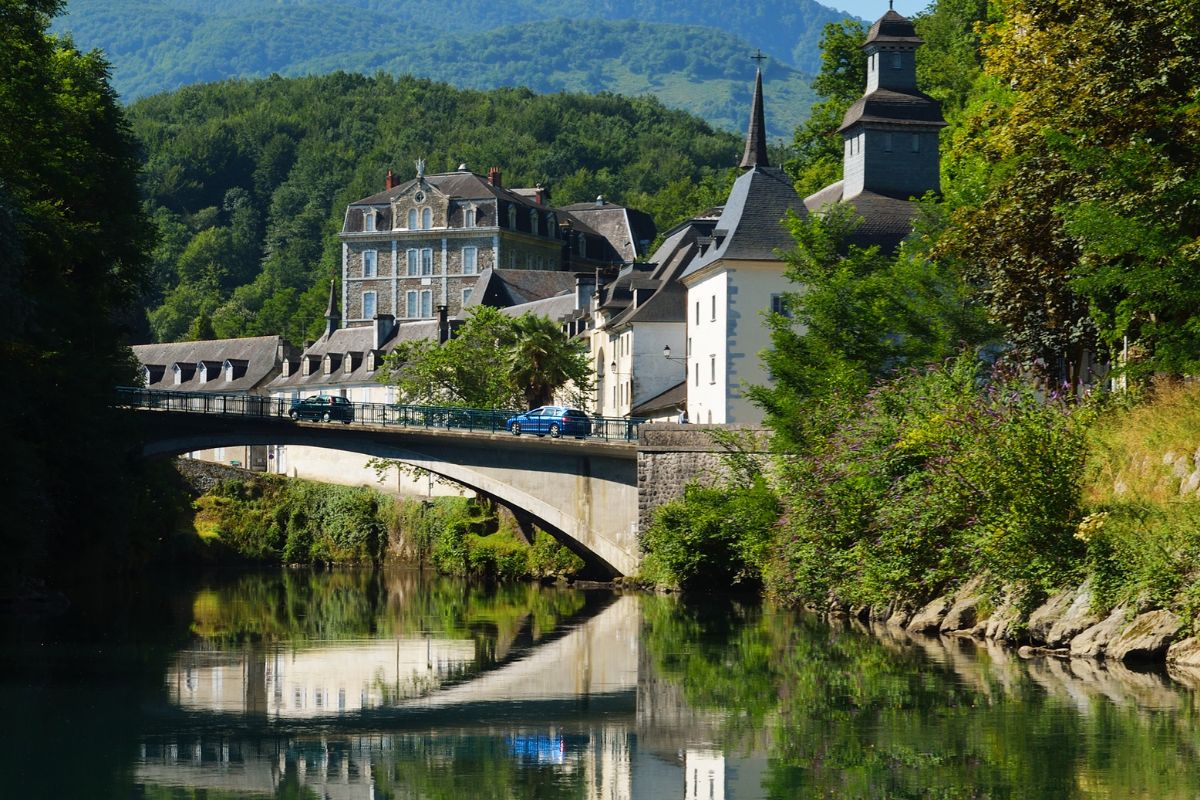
[{"x": 366, "y": 686}]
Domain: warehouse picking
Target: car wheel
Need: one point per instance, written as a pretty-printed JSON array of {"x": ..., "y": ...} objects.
[
  {"x": 515, "y": 428},
  {"x": 325, "y": 417},
  {"x": 554, "y": 430},
  {"x": 295, "y": 415}
]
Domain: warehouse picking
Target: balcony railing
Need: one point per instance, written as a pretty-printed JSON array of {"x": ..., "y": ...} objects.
[{"x": 481, "y": 420}]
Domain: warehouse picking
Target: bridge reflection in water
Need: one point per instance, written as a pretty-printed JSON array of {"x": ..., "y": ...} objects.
[{"x": 569, "y": 702}]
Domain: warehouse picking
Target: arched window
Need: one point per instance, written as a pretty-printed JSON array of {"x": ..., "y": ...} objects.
[
  {"x": 412, "y": 219},
  {"x": 426, "y": 219},
  {"x": 533, "y": 221},
  {"x": 512, "y": 217},
  {"x": 469, "y": 217}
]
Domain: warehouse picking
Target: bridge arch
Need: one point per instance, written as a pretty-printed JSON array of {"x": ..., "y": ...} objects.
[{"x": 583, "y": 493}]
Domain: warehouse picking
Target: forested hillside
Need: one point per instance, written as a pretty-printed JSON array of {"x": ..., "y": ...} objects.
[
  {"x": 691, "y": 55},
  {"x": 247, "y": 181}
]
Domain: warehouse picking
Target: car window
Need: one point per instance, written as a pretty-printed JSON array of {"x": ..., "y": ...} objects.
[{"x": 575, "y": 412}]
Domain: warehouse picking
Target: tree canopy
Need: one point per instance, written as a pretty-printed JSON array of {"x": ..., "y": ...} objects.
[{"x": 494, "y": 360}]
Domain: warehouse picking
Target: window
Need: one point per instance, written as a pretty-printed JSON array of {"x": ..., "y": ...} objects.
[
  {"x": 512, "y": 217},
  {"x": 470, "y": 260},
  {"x": 427, "y": 261},
  {"x": 712, "y": 369},
  {"x": 412, "y": 219},
  {"x": 426, "y": 303},
  {"x": 466, "y": 295},
  {"x": 369, "y": 220},
  {"x": 410, "y": 304},
  {"x": 426, "y": 219},
  {"x": 779, "y": 306},
  {"x": 368, "y": 305},
  {"x": 916, "y": 142},
  {"x": 689, "y": 346},
  {"x": 697, "y": 312},
  {"x": 370, "y": 259},
  {"x": 887, "y": 143},
  {"x": 714, "y": 308},
  {"x": 533, "y": 221},
  {"x": 413, "y": 261},
  {"x": 512, "y": 260},
  {"x": 469, "y": 217},
  {"x": 896, "y": 61},
  {"x": 696, "y": 373}
]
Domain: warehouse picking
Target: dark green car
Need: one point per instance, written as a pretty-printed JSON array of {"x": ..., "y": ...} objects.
[{"x": 324, "y": 408}]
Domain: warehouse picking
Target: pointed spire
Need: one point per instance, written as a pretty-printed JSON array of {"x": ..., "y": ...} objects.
[
  {"x": 756, "y": 136},
  {"x": 332, "y": 317}
]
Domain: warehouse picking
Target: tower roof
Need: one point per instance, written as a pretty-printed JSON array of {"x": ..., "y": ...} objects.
[
  {"x": 755, "y": 154},
  {"x": 894, "y": 29}
]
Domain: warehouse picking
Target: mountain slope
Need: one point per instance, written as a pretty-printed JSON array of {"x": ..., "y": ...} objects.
[{"x": 673, "y": 51}]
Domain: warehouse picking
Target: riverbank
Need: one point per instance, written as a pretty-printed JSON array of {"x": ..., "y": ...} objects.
[{"x": 245, "y": 517}]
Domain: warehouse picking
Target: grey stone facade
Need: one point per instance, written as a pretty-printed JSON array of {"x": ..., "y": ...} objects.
[{"x": 670, "y": 456}]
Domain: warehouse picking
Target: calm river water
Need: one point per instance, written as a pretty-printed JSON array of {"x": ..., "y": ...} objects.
[{"x": 289, "y": 684}]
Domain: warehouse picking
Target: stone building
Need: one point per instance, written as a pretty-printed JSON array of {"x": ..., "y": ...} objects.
[{"x": 423, "y": 243}]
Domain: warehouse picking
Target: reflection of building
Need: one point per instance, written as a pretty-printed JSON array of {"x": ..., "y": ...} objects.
[
  {"x": 703, "y": 775},
  {"x": 318, "y": 681}
]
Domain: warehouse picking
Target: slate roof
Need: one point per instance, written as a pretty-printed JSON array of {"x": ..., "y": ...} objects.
[
  {"x": 628, "y": 230},
  {"x": 885, "y": 220},
  {"x": 671, "y": 399},
  {"x": 889, "y": 107},
  {"x": 751, "y": 224},
  {"x": 555, "y": 308},
  {"x": 755, "y": 154},
  {"x": 357, "y": 340},
  {"x": 461, "y": 184},
  {"x": 256, "y": 360},
  {"x": 510, "y": 287},
  {"x": 892, "y": 28}
]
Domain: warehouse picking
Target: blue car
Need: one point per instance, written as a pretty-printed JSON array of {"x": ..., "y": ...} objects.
[{"x": 553, "y": 420}]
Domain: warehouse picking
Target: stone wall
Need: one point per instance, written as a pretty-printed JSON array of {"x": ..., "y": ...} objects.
[
  {"x": 203, "y": 476},
  {"x": 671, "y": 455}
]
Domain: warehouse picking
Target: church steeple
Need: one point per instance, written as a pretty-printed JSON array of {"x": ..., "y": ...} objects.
[
  {"x": 332, "y": 317},
  {"x": 755, "y": 154}
]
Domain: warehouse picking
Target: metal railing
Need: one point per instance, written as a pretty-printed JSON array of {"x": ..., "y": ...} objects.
[{"x": 480, "y": 420}]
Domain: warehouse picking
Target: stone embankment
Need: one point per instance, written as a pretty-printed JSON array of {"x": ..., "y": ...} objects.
[
  {"x": 204, "y": 476},
  {"x": 1065, "y": 625}
]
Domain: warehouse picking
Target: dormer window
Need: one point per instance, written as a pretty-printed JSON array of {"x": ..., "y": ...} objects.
[
  {"x": 369, "y": 220},
  {"x": 533, "y": 221},
  {"x": 209, "y": 370},
  {"x": 412, "y": 219},
  {"x": 371, "y": 361},
  {"x": 426, "y": 219},
  {"x": 331, "y": 362},
  {"x": 469, "y": 217},
  {"x": 310, "y": 363},
  {"x": 512, "y": 217},
  {"x": 234, "y": 368},
  {"x": 896, "y": 61}
]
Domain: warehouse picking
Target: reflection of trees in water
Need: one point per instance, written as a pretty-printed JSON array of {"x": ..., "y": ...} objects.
[
  {"x": 298, "y": 605},
  {"x": 845, "y": 713}
]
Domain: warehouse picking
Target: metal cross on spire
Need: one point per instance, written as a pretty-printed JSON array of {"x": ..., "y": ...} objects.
[{"x": 759, "y": 57}]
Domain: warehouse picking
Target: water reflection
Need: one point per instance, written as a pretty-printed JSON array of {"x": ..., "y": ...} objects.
[{"x": 374, "y": 686}]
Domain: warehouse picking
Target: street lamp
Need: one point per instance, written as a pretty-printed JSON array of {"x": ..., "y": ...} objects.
[{"x": 667, "y": 354}]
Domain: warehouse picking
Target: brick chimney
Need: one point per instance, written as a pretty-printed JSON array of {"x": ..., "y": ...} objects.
[
  {"x": 389, "y": 183},
  {"x": 494, "y": 177}
]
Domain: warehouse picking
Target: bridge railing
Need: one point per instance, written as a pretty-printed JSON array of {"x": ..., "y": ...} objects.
[{"x": 481, "y": 420}]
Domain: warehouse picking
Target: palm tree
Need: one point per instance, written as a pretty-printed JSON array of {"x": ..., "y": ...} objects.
[{"x": 543, "y": 360}]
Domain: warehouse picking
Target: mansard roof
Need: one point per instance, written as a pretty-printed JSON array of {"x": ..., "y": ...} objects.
[
  {"x": 892, "y": 28},
  {"x": 260, "y": 356},
  {"x": 359, "y": 340},
  {"x": 889, "y": 107},
  {"x": 751, "y": 225},
  {"x": 462, "y": 185}
]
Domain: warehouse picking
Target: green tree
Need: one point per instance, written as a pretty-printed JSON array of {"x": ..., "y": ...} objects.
[
  {"x": 542, "y": 360},
  {"x": 492, "y": 361},
  {"x": 73, "y": 247}
]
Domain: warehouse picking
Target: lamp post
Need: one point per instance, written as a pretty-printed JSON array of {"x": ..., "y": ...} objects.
[{"x": 683, "y": 415}]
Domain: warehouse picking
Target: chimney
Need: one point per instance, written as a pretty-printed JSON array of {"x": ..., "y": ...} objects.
[
  {"x": 599, "y": 199},
  {"x": 541, "y": 195},
  {"x": 384, "y": 325},
  {"x": 389, "y": 183},
  {"x": 443, "y": 324},
  {"x": 494, "y": 176},
  {"x": 585, "y": 287}
]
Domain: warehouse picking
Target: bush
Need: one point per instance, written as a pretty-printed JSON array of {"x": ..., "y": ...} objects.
[
  {"x": 933, "y": 477},
  {"x": 712, "y": 538}
]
